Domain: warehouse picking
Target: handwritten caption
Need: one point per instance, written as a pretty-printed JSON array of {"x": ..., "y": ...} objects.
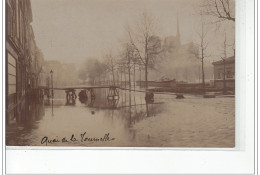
[{"x": 72, "y": 139}]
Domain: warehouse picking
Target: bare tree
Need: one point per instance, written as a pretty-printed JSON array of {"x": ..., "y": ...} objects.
[
  {"x": 221, "y": 9},
  {"x": 224, "y": 63},
  {"x": 92, "y": 69},
  {"x": 144, "y": 42},
  {"x": 110, "y": 62},
  {"x": 131, "y": 60},
  {"x": 129, "y": 56},
  {"x": 199, "y": 52}
]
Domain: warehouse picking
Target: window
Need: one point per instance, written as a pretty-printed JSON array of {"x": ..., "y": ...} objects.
[
  {"x": 229, "y": 74},
  {"x": 14, "y": 24},
  {"x": 21, "y": 26},
  {"x": 9, "y": 21},
  {"x": 220, "y": 73},
  {"x": 11, "y": 74},
  {"x": 17, "y": 20}
]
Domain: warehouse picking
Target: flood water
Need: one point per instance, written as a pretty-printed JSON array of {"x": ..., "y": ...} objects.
[{"x": 129, "y": 121}]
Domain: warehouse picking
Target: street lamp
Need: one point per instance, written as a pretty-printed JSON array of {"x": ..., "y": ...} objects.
[{"x": 51, "y": 83}]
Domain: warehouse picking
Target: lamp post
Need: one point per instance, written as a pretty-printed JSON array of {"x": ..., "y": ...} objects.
[
  {"x": 52, "y": 83},
  {"x": 224, "y": 76},
  {"x": 52, "y": 92}
]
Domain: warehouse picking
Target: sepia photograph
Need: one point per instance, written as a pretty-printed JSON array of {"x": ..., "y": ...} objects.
[{"x": 120, "y": 73}]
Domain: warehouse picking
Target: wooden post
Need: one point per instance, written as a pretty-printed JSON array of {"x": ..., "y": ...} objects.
[
  {"x": 140, "y": 77},
  {"x": 121, "y": 74},
  {"x": 125, "y": 76},
  {"x": 134, "y": 76},
  {"x": 129, "y": 75}
]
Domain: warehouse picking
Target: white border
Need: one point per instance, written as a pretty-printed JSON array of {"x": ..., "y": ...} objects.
[
  {"x": 2, "y": 107},
  {"x": 178, "y": 160}
]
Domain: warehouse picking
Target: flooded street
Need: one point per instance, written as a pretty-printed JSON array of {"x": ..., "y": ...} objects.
[{"x": 190, "y": 122}]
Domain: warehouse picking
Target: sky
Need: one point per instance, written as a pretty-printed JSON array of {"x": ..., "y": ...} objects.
[{"x": 74, "y": 30}]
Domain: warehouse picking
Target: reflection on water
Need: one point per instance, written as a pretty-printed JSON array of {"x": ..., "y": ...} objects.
[
  {"x": 25, "y": 122},
  {"x": 96, "y": 112},
  {"x": 190, "y": 122}
]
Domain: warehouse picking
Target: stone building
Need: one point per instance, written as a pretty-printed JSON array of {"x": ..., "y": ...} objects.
[
  {"x": 20, "y": 54},
  {"x": 224, "y": 73}
]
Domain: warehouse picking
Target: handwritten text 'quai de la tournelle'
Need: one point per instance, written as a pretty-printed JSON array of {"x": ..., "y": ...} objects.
[{"x": 82, "y": 138}]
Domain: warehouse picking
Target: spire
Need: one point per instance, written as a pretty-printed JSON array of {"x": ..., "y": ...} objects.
[{"x": 178, "y": 31}]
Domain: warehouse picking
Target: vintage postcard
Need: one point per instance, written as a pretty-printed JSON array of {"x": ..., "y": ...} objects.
[{"x": 120, "y": 73}]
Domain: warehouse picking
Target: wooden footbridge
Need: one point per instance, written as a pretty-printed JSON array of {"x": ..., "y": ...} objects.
[{"x": 113, "y": 93}]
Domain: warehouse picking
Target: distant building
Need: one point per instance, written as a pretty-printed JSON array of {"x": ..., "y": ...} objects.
[{"x": 224, "y": 73}]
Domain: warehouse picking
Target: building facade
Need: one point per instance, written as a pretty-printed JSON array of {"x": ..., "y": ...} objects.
[
  {"x": 224, "y": 73},
  {"x": 21, "y": 55}
]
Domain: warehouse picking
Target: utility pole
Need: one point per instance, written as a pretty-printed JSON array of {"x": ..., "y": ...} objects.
[
  {"x": 121, "y": 75},
  {"x": 134, "y": 75},
  {"x": 129, "y": 67},
  {"x": 124, "y": 76},
  {"x": 52, "y": 94},
  {"x": 224, "y": 62},
  {"x": 140, "y": 76},
  {"x": 199, "y": 73}
]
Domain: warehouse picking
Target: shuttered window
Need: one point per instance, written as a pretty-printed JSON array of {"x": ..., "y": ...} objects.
[{"x": 11, "y": 74}]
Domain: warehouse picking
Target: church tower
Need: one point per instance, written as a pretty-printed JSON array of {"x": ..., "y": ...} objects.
[{"x": 178, "y": 36}]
